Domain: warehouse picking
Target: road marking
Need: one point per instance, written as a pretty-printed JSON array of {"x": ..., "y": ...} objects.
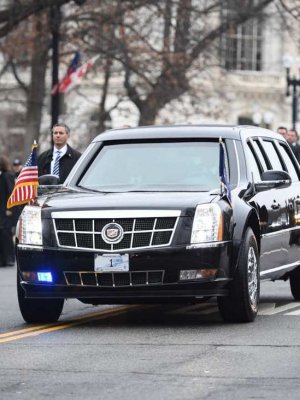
[
  {"x": 18, "y": 332},
  {"x": 40, "y": 329},
  {"x": 297, "y": 312},
  {"x": 276, "y": 310},
  {"x": 203, "y": 308},
  {"x": 266, "y": 308}
]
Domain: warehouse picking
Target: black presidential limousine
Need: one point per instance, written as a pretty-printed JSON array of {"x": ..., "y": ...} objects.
[{"x": 143, "y": 217}]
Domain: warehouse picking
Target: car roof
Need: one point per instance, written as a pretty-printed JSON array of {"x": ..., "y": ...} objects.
[{"x": 184, "y": 131}]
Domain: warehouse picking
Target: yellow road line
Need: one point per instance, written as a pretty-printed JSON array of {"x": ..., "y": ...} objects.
[
  {"x": 18, "y": 332},
  {"x": 40, "y": 329}
]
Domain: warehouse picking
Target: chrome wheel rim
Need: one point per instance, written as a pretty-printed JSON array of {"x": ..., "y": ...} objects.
[{"x": 252, "y": 278}]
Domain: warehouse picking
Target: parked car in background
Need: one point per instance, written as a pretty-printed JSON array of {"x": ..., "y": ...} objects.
[{"x": 143, "y": 217}]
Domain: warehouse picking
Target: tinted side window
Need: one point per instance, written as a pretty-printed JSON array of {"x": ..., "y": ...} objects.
[
  {"x": 260, "y": 155},
  {"x": 252, "y": 164},
  {"x": 272, "y": 155},
  {"x": 288, "y": 162}
]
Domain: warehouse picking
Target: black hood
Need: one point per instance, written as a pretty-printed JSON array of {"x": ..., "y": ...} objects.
[{"x": 78, "y": 201}]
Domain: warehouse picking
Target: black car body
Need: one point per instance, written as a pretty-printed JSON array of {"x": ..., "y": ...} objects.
[{"x": 143, "y": 217}]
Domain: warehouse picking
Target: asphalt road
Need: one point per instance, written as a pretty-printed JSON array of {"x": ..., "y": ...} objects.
[{"x": 150, "y": 352}]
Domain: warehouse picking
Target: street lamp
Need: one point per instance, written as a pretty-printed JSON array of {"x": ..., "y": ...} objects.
[
  {"x": 293, "y": 82},
  {"x": 55, "y": 19}
]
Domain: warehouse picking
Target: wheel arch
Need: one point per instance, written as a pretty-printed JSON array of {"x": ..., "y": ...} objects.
[
  {"x": 253, "y": 223},
  {"x": 246, "y": 219}
]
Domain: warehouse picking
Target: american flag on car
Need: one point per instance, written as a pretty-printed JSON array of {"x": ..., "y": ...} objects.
[{"x": 26, "y": 184}]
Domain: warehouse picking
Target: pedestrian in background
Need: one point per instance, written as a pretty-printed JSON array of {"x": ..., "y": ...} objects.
[
  {"x": 282, "y": 130},
  {"x": 17, "y": 167},
  {"x": 61, "y": 158},
  {"x": 7, "y": 251},
  {"x": 292, "y": 138}
]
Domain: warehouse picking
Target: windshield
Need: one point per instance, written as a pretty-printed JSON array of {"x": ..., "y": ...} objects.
[{"x": 147, "y": 166}]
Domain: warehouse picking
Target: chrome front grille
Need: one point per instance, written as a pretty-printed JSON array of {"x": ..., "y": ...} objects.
[
  {"x": 139, "y": 233},
  {"x": 114, "y": 279}
]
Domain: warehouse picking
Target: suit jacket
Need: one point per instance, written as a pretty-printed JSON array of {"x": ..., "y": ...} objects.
[
  {"x": 66, "y": 163},
  {"x": 296, "y": 150},
  {"x": 6, "y": 187}
]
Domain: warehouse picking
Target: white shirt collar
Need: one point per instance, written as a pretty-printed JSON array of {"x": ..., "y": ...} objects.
[{"x": 63, "y": 150}]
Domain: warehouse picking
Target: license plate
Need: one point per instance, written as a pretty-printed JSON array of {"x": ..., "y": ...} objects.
[{"x": 112, "y": 262}]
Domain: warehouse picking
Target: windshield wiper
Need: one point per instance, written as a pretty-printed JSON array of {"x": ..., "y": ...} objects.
[{"x": 90, "y": 190}]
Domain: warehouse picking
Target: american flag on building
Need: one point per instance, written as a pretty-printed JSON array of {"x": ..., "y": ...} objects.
[
  {"x": 61, "y": 86},
  {"x": 26, "y": 184}
]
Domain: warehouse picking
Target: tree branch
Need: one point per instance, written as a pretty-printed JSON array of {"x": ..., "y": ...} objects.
[
  {"x": 13, "y": 15},
  {"x": 16, "y": 75}
]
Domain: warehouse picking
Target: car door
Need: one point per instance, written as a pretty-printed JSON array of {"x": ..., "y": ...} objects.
[
  {"x": 272, "y": 209},
  {"x": 292, "y": 240},
  {"x": 281, "y": 201}
]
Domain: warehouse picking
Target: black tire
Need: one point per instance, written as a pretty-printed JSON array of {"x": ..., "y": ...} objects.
[
  {"x": 295, "y": 283},
  {"x": 38, "y": 310},
  {"x": 241, "y": 305}
]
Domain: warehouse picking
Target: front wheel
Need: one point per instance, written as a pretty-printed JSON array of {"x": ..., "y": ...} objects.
[
  {"x": 38, "y": 310},
  {"x": 241, "y": 304},
  {"x": 295, "y": 283}
]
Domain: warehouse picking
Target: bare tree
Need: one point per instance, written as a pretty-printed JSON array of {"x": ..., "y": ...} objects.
[
  {"x": 19, "y": 11},
  {"x": 27, "y": 51},
  {"x": 158, "y": 44},
  {"x": 152, "y": 48}
]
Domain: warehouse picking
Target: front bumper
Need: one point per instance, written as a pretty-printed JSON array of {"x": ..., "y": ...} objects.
[{"x": 66, "y": 263}]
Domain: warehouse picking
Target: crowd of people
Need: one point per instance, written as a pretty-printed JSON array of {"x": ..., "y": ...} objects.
[
  {"x": 59, "y": 160},
  {"x": 292, "y": 138}
]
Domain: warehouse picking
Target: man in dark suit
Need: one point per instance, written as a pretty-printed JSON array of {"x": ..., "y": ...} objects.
[
  {"x": 7, "y": 251},
  {"x": 61, "y": 158},
  {"x": 292, "y": 138}
]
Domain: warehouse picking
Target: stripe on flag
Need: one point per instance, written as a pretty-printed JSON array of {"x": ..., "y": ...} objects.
[{"x": 26, "y": 184}]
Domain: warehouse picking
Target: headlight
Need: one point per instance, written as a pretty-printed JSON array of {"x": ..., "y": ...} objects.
[
  {"x": 30, "y": 226},
  {"x": 208, "y": 224}
]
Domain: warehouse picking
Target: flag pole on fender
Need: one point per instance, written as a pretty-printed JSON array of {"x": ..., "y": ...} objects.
[
  {"x": 223, "y": 171},
  {"x": 26, "y": 184}
]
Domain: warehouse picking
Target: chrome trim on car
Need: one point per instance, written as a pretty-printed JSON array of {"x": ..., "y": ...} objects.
[
  {"x": 134, "y": 237},
  {"x": 205, "y": 245},
  {"x": 113, "y": 276},
  {"x": 94, "y": 214},
  {"x": 238, "y": 162},
  {"x": 262, "y": 273},
  {"x": 280, "y": 232},
  {"x": 30, "y": 247}
]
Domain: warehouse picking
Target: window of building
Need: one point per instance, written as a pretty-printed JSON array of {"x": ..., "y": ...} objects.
[{"x": 241, "y": 45}]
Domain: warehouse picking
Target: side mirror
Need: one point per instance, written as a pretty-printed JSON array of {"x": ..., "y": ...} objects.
[
  {"x": 273, "y": 179},
  {"x": 48, "y": 180}
]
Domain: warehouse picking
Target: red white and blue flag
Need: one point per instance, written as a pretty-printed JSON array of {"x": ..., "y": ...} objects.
[
  {"x": 77, "y": 76},
  {"x": 63, "y": 84},
  {"x": 27, "y": 182},
  {"x": 223, "y": 171}
]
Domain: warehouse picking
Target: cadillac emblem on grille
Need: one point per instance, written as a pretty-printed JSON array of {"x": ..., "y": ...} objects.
[{"x": 112, "y": 233}]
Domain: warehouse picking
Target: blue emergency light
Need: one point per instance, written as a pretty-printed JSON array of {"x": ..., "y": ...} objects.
[{"x": 45, "y": 277}]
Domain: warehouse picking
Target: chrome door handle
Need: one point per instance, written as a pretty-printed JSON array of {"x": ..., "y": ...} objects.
[{"x": 275, "y": 206}]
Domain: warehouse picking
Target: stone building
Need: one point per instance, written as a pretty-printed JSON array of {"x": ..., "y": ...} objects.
[{"x": 247, "y": 85}]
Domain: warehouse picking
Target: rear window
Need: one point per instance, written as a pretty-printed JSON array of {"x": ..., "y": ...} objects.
[{"x": 170, "y": 166}]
